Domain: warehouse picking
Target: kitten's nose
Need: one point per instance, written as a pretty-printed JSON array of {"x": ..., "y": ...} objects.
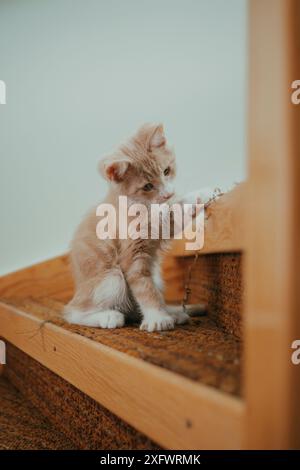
[{"x": 167, "y": 196}]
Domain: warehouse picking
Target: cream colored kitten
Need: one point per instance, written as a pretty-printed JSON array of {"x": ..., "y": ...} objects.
[{"x": 118, "y": 279}]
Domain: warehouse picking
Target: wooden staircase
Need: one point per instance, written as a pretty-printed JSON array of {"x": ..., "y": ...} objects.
[
  {"x": 164, "y": 384},
  {"x": 225, "y": 380}
]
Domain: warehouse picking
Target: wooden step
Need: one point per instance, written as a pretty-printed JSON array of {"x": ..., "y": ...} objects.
[{"x": 165, "y": 385}]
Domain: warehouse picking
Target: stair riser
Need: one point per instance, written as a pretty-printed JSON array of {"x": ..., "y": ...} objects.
[
  {"x": 85, "y": 422},
  {"x": 216, "y": 281}
]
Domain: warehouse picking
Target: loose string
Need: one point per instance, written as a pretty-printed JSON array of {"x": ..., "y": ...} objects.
[{"x": 187, "y": 286}]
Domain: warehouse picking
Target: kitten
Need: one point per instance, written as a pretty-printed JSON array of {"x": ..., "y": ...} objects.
[{"x": 118, "y": 279}]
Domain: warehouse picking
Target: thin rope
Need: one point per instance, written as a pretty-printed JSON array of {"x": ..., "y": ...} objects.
[{"x": 187, "y": 287}]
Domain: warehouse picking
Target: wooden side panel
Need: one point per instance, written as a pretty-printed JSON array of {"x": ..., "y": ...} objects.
[
  {"x": 272, "y": 257},
  {"x": 173, "y": 278},
  {"x": 50, "y": 278}
]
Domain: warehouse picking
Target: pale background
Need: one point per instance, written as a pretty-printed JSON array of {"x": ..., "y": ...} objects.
[{"x": 82, "y": 75}]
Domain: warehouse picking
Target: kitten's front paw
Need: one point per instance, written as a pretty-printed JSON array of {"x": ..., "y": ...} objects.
[
  {"x": 157, "y": 321},
  {"x": 193, "y": 199},
  {"x": 202, "y": 196}
]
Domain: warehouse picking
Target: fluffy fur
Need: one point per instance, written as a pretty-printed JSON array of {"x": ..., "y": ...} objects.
[{"x": 118, "y": 279}]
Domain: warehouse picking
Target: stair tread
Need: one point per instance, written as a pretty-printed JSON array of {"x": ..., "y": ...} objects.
[
  {"x": 201, "y": 351},
  {"x": 22, "y": 426},
  {"x": 185, "y": 369}
]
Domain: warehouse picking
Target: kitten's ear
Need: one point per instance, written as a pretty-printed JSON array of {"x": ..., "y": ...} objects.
[
  {"x": 114, "y": 168},
  {"x": 157, "y": 138}
]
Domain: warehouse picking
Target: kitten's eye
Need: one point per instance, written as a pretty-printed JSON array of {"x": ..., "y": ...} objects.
[
  {"x": 167, "y": 171},
  {"x": 148, "y": 187}
]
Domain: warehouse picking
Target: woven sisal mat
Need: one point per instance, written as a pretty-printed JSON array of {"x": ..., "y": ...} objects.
[{"x": 23, "y": 427}]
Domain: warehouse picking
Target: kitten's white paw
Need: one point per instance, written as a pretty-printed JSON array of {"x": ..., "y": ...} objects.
[
  {"x": 201, "y": 196},
  {"x": 157, "y": 321}
]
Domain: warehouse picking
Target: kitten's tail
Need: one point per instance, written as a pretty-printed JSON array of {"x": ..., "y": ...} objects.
[
  {"x": 194, "y": 310},
  {"x": 97, "y": 318}
]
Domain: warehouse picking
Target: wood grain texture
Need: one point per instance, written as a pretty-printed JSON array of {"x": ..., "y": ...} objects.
[
  {"x": 273, "y": 227},
  {"x": 173, "y": 278},
  {"x": 49, "y": 278},
  {"x": 173, "y": 411}
]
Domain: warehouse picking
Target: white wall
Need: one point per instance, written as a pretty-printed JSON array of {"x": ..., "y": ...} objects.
[{"x": 82, "y": 75}]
